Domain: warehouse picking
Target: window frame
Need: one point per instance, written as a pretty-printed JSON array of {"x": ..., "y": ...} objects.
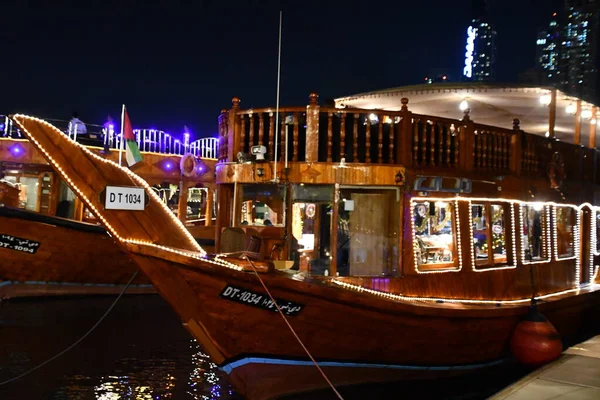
[
  {"x": 576, "y": 231},
  {"x": 547, "y": 230},
  {"x": 490, "y": 262},
  {"x": 456, "y": 264}
]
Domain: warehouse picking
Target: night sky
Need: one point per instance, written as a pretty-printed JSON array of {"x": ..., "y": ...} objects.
[{"x": 174, "y": 64}]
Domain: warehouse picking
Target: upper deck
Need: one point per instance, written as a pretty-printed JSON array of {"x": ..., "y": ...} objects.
[{"x": 423, "y": 144}]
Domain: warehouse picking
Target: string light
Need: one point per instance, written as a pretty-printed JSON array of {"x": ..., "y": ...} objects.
[
  {"x": 399, "y": 297},
  {"x": 86, "y": 200}
]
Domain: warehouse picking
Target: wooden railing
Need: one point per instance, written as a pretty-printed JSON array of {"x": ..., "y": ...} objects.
[{"x": 327, "y": 134}]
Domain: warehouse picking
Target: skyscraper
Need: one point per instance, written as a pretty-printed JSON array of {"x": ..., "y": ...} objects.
[
  {"x": 548, "y": 47},
  {"x": 480, "y": 55},
  {"x": 579, "y": 55}
]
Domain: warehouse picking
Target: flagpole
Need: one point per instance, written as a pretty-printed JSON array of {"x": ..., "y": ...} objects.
[
  {"x": 277, "y": 106},
  {"x": 122, "y": 135}
]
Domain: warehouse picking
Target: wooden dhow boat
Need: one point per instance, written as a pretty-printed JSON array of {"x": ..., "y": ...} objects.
[
  {"x": 66, "y": 251},
  {"x": 416, "y": 242}
]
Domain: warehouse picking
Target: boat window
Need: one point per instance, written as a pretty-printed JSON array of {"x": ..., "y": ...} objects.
[
  {"x": 566, "y": 221},
  {"x": 28, "y": 195},
  {"x": 434, "y": 233},
  {"x": 312, "y": 208},
  {"x": 534, "y": 236},
  {"x": 489, "y": 233},
  {"x": 262, "y": 204},
  {"x": 196, "y": 205}
]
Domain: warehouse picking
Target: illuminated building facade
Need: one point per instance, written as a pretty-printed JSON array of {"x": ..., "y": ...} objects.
[
  {"x": 480, "y": 55},
  {"x": 548, "y": 46},
  {"x": 579, "y": 54}
]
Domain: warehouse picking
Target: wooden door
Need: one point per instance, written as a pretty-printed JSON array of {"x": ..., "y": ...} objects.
[{"x": 368, "y": 233}]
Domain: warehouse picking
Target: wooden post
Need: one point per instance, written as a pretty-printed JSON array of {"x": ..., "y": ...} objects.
[
  {"x": 233, "y": 132},
  {"x": 312, "y": 129},
  {"x": 552, "y": 113},
  {"x": 334, "y": 232},
  {"x": 578, "y": 123},
  {"x": 593, "y": 128},
  {"x": 515, "y": 155},
  {"x": 223, "y": 119},
  {"x": 183, "y": 200},
  {"x": 404, "y": 149},
  {"x": 467, "y": 143},
  {"x": 209, "y": 206}
]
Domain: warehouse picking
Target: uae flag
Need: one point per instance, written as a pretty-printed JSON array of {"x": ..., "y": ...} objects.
[{"x": 132, "y": 153}]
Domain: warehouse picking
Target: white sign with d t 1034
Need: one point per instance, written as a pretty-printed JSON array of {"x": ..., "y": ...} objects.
[{"x": 125, "y": 198}]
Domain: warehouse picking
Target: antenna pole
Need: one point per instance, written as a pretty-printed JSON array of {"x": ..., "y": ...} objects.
[{"x": 277, "y": 103}]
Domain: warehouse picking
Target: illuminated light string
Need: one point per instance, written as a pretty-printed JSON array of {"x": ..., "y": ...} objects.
[
  {"x": 135, "y": 177},
  {"x": 546, "y": 243},
  {"x": 594, "y": 241},
  {"x": 458, "y": 240},
  {"x": 399, "y": 297}
]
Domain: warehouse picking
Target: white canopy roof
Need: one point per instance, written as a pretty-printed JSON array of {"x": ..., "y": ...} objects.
[{"x": 495, "y": 105}]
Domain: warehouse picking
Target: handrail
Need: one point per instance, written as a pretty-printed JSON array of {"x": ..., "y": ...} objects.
[{"x": 148, "y": 140}]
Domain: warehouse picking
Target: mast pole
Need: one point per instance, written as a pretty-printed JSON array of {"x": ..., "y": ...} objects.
[{"x": 277, "y": 103}]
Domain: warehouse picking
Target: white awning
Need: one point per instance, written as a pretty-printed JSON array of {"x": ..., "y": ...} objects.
[{"x": 495, "y": 105}]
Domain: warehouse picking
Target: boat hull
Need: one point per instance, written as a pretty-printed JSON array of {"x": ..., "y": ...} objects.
[
  {"x": 358, "y": 338},
  {"x": 43, "y": 255}
]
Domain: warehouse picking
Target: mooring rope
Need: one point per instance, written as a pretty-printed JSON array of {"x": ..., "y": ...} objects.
[
  {"x": 78, "y": 340},
  {"x": 292, "y": 329}
]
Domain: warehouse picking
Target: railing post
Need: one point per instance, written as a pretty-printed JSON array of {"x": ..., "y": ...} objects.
[
  {"x": 467, "y": 143},
  {"x": 223, "y": 118},
  {"x": 516, "y": 148},
  {"x": 233, "y": 131},
  {"x": 405, "y": 145},
  {"x": 312, "y": 129}
]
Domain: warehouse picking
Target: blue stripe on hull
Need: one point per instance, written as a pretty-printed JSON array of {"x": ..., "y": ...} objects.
[{"x": 228, "y": 368}]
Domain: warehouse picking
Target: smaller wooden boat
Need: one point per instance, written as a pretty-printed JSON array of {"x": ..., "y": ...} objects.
[{"x": 45, "y": 255}]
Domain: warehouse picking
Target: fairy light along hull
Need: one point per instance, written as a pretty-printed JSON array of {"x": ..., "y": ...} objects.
[{"x": 358, "y": 329}]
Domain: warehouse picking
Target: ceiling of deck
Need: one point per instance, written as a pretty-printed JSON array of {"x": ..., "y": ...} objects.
[{"x": 495, "y": 105}]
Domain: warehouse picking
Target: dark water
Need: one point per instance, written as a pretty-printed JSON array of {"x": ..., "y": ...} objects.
[{"x": 141, "y": 351}]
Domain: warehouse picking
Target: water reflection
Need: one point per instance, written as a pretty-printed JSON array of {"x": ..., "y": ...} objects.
[{"x": 139, "y": 352}]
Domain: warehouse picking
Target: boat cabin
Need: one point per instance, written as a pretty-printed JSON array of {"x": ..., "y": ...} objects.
[{"x": 423, "y": 205}]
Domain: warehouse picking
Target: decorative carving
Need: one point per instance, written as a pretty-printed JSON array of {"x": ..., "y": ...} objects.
[{"x": 310, "y": 172}]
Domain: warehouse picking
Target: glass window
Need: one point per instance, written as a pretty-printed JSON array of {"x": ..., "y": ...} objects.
[
  {"x": 262, "y": 205},
  {"x": 311, "y": 228},
  {"x": 434, "y": 242},
  {"x": 566, "y": 219},
  {"x": 534, "y": 237},
  {"x": 489, "y": 237},
  {"x": 28, "y": 195}
]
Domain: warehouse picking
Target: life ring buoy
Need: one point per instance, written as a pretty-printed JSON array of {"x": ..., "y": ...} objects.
[{"x": 188, "y": 165}]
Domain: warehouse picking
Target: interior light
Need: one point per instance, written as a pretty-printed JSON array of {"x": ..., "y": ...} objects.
[
  {"x": 463, "y": 105},
  {"x": 547, "y": 134},
  {"x": 545, "y": 99},
  {"x": 571, "y": 109},
  {"x": 586, "y": 114}
]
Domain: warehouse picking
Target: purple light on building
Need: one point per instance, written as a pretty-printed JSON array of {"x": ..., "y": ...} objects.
[
  {"x": 16, "y": 150},
  {"x": 168, "y": 166}
]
